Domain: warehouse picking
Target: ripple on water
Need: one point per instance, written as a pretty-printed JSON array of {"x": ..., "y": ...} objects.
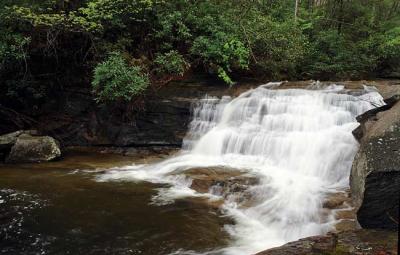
[{"x": 15, "y": 210}]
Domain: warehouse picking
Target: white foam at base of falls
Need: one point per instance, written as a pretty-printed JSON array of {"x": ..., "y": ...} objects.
[{"x": 298, "y": 142}]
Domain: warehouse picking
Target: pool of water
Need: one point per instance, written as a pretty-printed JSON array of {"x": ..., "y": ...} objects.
[{"x": 59, "y": 208}]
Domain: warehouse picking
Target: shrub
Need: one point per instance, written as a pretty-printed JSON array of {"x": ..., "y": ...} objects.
[
  {"x": 221, "y": 52},
  {"x": 171, "y": 63},
  {"x": 336, "y": 56},
  {"x": 12, "y": 48},
  {"x": 278, "y": 47},
  {"x": 115, "y": 80},
  {"x": 389, "y": 50}
]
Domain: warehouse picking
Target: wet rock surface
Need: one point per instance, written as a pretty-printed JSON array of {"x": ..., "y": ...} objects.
[
  {"x": 228, "y": 183},
  {"x": 343, "y": 209},
  {"x": 362, "y": 242},
  {"x": 337, "y": 200},
  {"x": 205, "y": 178},
  {"x": 375, "y": 176}
]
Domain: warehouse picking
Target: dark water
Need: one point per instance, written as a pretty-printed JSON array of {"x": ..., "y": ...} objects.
[{"x": 51, "y": 208}]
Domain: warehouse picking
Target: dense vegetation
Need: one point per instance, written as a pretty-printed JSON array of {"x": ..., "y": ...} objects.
[{"x": 121, "y": 47}]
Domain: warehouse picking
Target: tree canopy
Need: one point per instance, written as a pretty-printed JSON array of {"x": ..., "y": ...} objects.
[{"x": 55, "y": 43}]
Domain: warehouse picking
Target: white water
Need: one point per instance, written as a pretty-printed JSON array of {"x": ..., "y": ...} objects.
[{"x": 298, "y": 142}]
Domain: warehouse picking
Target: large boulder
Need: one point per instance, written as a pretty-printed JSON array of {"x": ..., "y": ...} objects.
[
  {"x": 8, "y": 140},
  {"x": 375, "y": 175},
  {"x": 30, "y": 149}
]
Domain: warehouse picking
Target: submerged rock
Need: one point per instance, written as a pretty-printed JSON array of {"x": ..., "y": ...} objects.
[
  {"x": 228, "y": 179},
  {"x": 336, "y": 200},
  {"x": 28, "y": 148},
  {"x": 363, "y": 241},
  {"x": 343, "y": 209},
  {"x": 228, "y": 183},
  {"x": 375, "y": 175}
]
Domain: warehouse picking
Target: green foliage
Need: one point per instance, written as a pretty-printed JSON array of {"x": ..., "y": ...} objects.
[
  {"x": 12, "y": 48},
  {"x": 114, "y": 80},
  {"x": 171, "y": 63},
  {"x": 348, "y": 39},
  {"x": 278, "y": 47},
  {"x": 13, "y": 63},
  {"x": 221, "y": 52},
  {"x": 201, "y": 32},
  {"x": 334, "y": 56},
  {"x": 173, "y": 31},
  {"x": 38, "y": 19},
  {"x": 116, "y": 14},
  {"x": 97, "y": 16},
  {"x": 390, "y": 44},
  {"x": 48, "y": 42}
]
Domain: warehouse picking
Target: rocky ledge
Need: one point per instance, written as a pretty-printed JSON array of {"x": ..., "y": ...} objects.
[
  {"x": 362, "y": 242},
  {"x": 161, "y": 119}
]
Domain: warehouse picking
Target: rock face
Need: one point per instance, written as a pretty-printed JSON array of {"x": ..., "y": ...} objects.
[
  {"x": 160, "y": 120},
  {"x": 375, "y": 175},
  {"x": 365, "y": 242},
  {"x": 26, "y": 147},
  {"x": 81, "y": 122}
]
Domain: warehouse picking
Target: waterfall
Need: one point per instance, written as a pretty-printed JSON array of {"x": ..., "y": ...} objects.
[{"x": 298, "y": 142}]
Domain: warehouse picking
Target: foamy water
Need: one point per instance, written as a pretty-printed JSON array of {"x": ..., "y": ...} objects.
[{"x": 298, "y": 142}]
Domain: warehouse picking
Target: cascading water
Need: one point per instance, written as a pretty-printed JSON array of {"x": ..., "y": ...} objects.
[{"x": 299, "y": 144}]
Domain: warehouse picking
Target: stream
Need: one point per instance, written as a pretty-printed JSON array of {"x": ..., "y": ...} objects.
[{"x": 297, "y": 144}]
